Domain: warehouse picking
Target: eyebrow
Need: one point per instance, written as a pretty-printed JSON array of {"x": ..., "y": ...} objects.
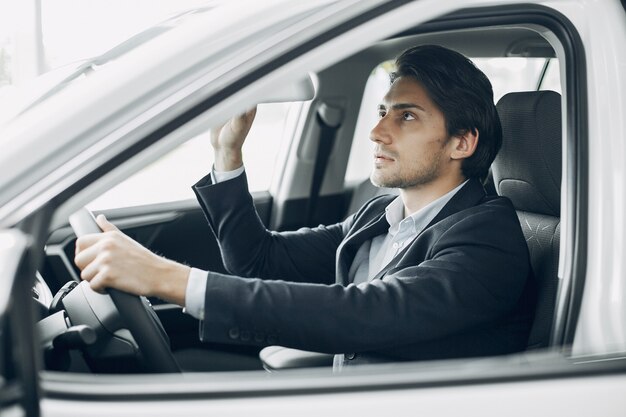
[{"x": 402, "y": 106}]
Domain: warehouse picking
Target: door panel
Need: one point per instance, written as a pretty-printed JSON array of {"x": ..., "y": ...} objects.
[{"x": 177, "y": 231}]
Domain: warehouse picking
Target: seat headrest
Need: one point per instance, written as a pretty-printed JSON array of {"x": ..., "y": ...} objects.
[{"x": 527, "y": 169}]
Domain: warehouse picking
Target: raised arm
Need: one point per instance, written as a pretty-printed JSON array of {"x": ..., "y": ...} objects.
[{"x": 247, "y": 247}]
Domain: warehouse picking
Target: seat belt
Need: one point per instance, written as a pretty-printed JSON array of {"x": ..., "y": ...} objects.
[{"x": 329, "y": 121}]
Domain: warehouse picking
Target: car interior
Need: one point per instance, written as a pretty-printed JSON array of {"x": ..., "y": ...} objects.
[{"x": 320, "y": 177}]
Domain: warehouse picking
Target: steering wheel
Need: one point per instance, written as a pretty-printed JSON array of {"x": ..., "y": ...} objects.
[{"x": 136, "y": 312}]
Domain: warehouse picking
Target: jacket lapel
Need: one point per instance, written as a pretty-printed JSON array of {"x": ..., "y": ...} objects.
[
  {"x": 353, "y": 241},
  {"x": 468, "y": 196}
]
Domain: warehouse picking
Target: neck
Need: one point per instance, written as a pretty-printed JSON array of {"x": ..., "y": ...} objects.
[{"x": 419, "y": 196}]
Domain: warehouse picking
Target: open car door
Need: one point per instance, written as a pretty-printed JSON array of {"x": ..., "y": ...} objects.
[{"x": 19, "y": 385}]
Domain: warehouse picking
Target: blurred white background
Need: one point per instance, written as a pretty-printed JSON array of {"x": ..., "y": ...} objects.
[{"x": 39, "y": 35}]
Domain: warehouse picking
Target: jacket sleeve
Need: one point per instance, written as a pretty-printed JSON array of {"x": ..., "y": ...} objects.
[
  {"x": 250, "y": 250},
  {"x": 473, "y": 274}
]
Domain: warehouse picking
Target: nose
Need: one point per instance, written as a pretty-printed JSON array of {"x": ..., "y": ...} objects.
[{"x": 380, "y": 132}]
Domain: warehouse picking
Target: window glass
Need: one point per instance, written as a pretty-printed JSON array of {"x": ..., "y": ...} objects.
[
  {"x": 511, "y": 74},
  {"x": 506, "y": 75},
  {"x": 360, "y": 161},
  {"x": 170, "y": 178}
]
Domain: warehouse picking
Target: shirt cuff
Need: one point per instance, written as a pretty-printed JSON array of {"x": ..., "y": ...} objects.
[
  {"x": 221, "y": 176},
  {"x": 195, "y": 293}
]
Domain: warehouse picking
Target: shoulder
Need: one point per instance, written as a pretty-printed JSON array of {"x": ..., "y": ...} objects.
[
  {"x": 492, "y": 209},
  {"x": 497, "y": 205},
  {"x": 492, "y": 219}
]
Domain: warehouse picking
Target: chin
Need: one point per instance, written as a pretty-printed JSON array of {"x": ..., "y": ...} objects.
[{"x": 383, "y": 182}]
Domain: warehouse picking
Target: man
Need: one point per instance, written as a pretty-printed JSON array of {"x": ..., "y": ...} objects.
[{"x": 441, "y": 271}]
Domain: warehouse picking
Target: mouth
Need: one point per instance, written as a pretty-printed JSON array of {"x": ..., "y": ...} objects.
[{"x": 380, "y": 158}]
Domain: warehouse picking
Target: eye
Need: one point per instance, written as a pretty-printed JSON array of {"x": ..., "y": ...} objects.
[
  {"x": 381, "y": 113},
  {"x": 407, "y": 116}
]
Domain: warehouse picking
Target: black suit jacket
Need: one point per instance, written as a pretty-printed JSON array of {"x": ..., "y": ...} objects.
[{"x": 463, "y": 287}]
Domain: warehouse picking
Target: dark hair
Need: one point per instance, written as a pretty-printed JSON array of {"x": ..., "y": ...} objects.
[{"x": 463, "y": 94}]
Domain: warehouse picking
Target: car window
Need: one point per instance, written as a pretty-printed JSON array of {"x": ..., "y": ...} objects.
[
  {"x": 170, "y": 178},
  {"x": 552, "y": 77},
  {"x": 514, "y": 74},
  {"x": 506, "y": 75}
]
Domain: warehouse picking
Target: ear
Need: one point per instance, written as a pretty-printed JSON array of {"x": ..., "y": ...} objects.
[{"x": 465, "y": 144}]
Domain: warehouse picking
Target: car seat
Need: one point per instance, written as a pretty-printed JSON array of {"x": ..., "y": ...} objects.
[{"x": 527, "y": 170}]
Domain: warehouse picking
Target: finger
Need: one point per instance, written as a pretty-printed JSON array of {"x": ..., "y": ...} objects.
[
  {"x": 103, "y": 280},
  {"x": 105, "y": 225},
  {"x": 87, "y": 241},
  {"x": 98, "y": 283},
  {"x": 243, "y": 122},
  {"x": 86, "y": 256},
  {"x": 91, "y": 269},
  {"x": 250, "y": 114}
]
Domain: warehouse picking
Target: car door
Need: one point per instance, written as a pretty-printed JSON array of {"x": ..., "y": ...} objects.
[{"x": 19, "y": 387}]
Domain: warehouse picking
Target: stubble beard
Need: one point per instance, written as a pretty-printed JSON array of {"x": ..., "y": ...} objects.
[{"x": 415, "y": 176}]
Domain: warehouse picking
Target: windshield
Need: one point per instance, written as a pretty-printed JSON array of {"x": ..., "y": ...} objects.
[{"x": 16, "y": 100}]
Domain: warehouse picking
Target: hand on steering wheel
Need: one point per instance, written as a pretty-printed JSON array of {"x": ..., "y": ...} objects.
[{"x": 139, "y": 317}]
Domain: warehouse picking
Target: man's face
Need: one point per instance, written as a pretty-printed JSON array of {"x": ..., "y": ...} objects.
[{"x": 410, "y": 138}]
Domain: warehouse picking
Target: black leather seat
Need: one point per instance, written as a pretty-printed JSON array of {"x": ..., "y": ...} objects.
[{"x": 528, "y": 171}]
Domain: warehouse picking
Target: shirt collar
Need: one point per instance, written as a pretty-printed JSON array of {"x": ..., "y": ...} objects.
[{"x": 394, "y": 212}]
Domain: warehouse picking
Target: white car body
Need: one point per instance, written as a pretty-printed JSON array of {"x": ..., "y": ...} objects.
[{"x": 46, "y": 152}]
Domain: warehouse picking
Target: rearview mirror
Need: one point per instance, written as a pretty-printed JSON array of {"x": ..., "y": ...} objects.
[{"x": 301, "y": 90}]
